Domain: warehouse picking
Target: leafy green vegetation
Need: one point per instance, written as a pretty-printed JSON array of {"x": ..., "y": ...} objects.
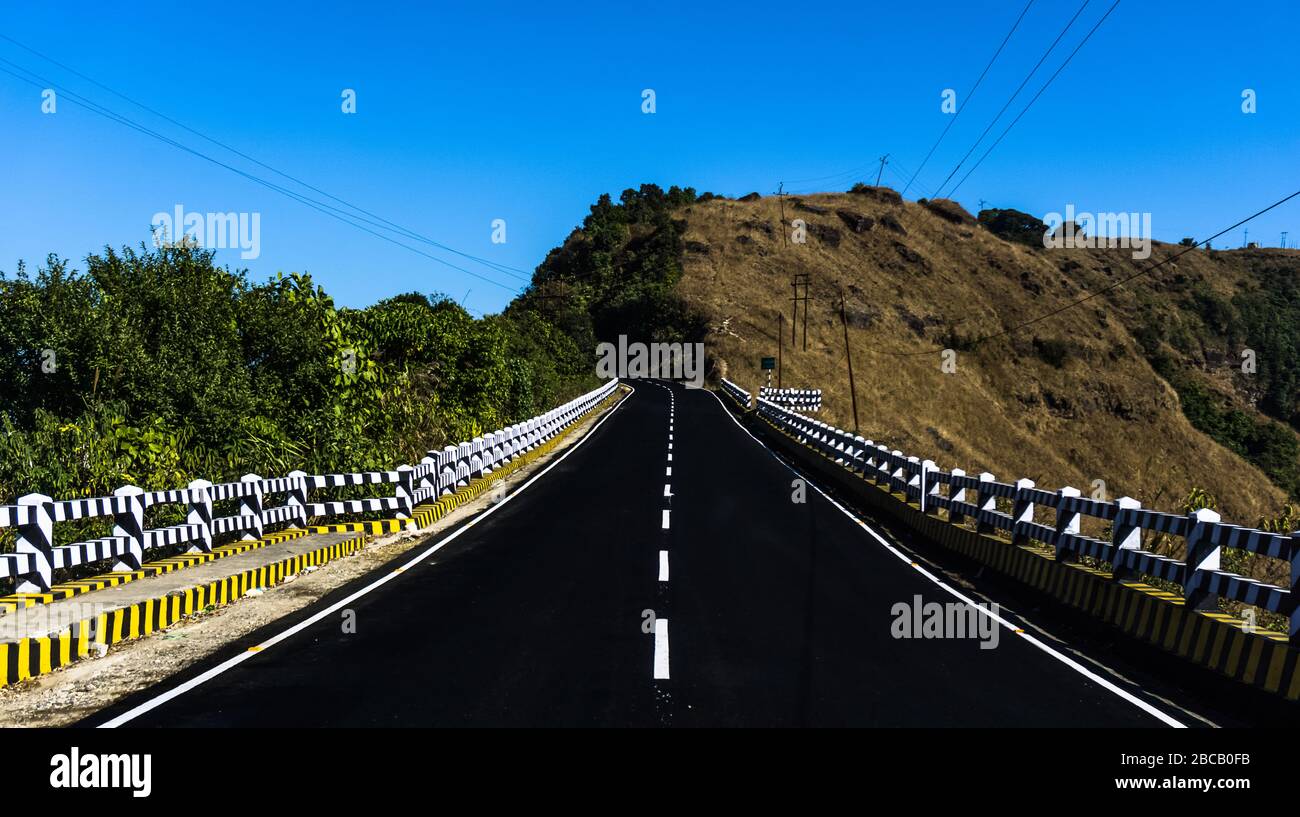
[{"x": 156, "y": 367}]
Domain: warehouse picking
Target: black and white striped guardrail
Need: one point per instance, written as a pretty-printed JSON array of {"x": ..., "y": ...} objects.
[
  {"x": 37, "y": 556},
  {"x": 976, "y": 498},
  {"x": 800, "y": 400}
]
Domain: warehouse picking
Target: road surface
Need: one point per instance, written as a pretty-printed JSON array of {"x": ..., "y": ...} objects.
[{"x": 765, "y": 612}]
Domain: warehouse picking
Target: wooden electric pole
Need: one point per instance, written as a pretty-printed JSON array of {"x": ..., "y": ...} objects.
[
  {"x": 884, "y": 160},
  {"x": 848, "y": 355},
  {"x": 780, "y": 344}
]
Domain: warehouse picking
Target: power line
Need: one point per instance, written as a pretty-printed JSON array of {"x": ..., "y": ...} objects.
[
  {"x": 334, "y": 212},
  {"x": 1013, "y": 96},
  {"x": 1109, "y": 287},
  {"x": 1050, "y": 79},
  {"x": 970, "y": 94},
  {"x": 396, "y": 227}
]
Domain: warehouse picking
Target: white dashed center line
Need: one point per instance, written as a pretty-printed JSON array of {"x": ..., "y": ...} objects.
[
  {"x": 661, "y": 649},
  {"x": 666, "y": 513},
  {"x": 663, "y": 565}
]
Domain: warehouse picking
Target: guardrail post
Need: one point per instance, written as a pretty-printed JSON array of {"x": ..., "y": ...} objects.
[
  {"x": 1294, "y": 629},
  {"x": 927, "y": 489},
  {"x": 129, "y": 522},
  {"x": 988, "y": 501},
  {"x": 899, "y": 474},
  {"x": 915, "y": 481},
  {"x": 36, "y": 541},
  {"x": 251, "y": 505},
  {"x": 430, "y": 478},
  {"x": 1067, "y": 522},
  {"x": 956, "y": 493},
  {"x": 297, "y": 497},
  {"x": 1022, "y": 510},
  {"x": 1124, "y": 536},
  {"x": 405, "y": 488},
  {"x": 1203, "y": 557},
  {"x": 446, "y": 470},
  {"x": 200, "y": 514}
]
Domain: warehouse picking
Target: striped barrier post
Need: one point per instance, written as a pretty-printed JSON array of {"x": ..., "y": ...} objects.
[
  {"x": 956, "y": 493},
  {"x": 1067, "y": 522},
  {"x": 1022, "y": 510},
  {"x": 36, "y": 542},
  {"x": 128, "y": 522},
  {"x": 200, "y": 513},
  {"x": 250, "y": 505},
  {"x": 1203, "y": 557},
  {"x": 988, "y": 502},
  {"x": 1125, "y": 535}
]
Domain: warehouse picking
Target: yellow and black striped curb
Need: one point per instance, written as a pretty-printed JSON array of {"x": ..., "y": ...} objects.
[
  {"x": 1262, "y": 659},
  {"x": 29, "y": 657},
  {"x": 67, "y": 590}
]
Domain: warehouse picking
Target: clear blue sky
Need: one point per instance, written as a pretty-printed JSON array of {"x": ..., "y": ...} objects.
[{"x": 469, "y": 112}]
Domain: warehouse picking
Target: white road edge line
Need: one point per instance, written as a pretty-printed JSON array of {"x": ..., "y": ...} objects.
[
  {"x": 661, "y": 649},
  {"x": 663, "y": 565},
  {"x": 1065, "y": 659},
  {"x": 244, "y": 655}
]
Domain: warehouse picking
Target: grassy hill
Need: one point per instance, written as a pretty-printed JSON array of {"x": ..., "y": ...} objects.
[{"x": 1140, "y": 387}]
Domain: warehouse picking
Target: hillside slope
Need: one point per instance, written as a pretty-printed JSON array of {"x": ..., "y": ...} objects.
[{"x": 1067, "y": 401}]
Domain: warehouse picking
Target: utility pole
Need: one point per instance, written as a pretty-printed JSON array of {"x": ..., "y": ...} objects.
[
  {"x": 848, "y": 355},
  {"x": 982, "y": 203},
  {"x": 801, "y": 279},
  {"x": 884, "y": 160},
  {"x": 1245, "y": 238},
  {"x": 794, "y": 316},
  {"x": 1284, "y": 239},
  {"x": 780, "y": 344},
  {"x": 780, "y": 196}
]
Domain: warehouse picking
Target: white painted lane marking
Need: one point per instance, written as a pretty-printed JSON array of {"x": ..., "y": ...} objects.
[
  {"x": 668, "y": 472},
  {"x": 666, "y": 512},
  {"x": 1065, "y": 659},
  {"x": 670, "y": 446},
  {"x": 670, "y": 456},
  {"x": 661, "y": 649},
  {"x": 663, "y": 565},
  {"x": 668, "y": 490},
  {"x": 243, "y": 656}
]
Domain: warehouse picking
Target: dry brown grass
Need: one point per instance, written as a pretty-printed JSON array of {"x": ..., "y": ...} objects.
[{"x": 1104, "y": 414}]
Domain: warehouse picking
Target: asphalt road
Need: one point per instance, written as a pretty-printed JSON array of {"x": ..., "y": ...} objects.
[{"x": 766, "y": 612}]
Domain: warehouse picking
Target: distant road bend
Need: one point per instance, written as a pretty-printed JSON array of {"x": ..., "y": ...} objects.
[{"x": 765, "y": 613}]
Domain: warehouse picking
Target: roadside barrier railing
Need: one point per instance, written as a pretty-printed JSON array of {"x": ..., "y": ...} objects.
[
  {"x": 259, "y": 502},
  {"x": 801, "y": 400},
  {"x": 737, "y": 393},
  {"x": 1020, "y": 508}
]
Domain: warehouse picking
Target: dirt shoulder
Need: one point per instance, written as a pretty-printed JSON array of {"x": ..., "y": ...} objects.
[{"x": 82, "y": 688}]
